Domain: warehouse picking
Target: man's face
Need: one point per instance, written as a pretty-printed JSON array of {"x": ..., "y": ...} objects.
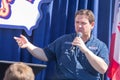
[{"x": 83, "y": 25}]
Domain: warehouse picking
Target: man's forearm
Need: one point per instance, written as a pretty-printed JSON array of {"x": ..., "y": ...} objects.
[
  {"x": 37, "y": 52},
  {"x": 96, "y": 62}
]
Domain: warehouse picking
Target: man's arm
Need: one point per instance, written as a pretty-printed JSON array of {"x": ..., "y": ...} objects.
[
  {"x": 34, "y": 50},
  {"x": 96, "y": 62}
]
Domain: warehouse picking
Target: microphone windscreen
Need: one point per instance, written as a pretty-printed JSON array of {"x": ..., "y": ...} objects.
[{"x": 79, "y": 34}]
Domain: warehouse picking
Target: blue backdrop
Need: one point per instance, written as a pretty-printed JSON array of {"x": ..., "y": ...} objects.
[{"x": 58, "y": 19}]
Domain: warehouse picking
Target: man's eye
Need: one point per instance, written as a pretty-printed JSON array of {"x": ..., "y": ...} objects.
[
  {"x": 83, "y": 23},
  {"x": 77, "y": 22}
]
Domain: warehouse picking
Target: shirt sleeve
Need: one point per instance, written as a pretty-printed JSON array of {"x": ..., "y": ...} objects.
[{"x": 104, "y": 53}]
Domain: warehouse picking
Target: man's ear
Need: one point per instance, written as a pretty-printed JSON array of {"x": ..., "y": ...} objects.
[{"x": 92, "y": 25}]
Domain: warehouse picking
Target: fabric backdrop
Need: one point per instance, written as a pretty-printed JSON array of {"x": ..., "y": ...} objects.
[{"x": 58, "y": 19}]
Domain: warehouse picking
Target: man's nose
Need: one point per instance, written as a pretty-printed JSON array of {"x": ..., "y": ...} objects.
[{"x": 80, "y": 26}]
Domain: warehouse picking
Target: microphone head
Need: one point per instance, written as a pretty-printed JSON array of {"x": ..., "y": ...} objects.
[{"x": 79, "y": 34}]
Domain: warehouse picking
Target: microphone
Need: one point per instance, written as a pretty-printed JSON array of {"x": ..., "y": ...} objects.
[{"x": 79, "y": 34}]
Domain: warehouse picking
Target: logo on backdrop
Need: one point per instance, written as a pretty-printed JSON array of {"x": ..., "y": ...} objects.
[{"x": 21, "y": 14}]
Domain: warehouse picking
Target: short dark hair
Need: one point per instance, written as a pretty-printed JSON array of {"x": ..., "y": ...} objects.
[{"x": 86, "y": 12}]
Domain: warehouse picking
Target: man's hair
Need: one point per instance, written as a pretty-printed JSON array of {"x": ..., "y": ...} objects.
[
  {"x": 88, "y": 13},
  {"x": 19, "y": 71}
]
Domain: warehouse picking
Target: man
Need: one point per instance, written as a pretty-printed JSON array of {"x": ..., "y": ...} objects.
[
  {"x": 85, "y": 60},
  {"x": 19, "y": 71}
]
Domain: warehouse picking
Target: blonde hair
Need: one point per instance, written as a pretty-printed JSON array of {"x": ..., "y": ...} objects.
[{"x": 19, "y": 71}]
